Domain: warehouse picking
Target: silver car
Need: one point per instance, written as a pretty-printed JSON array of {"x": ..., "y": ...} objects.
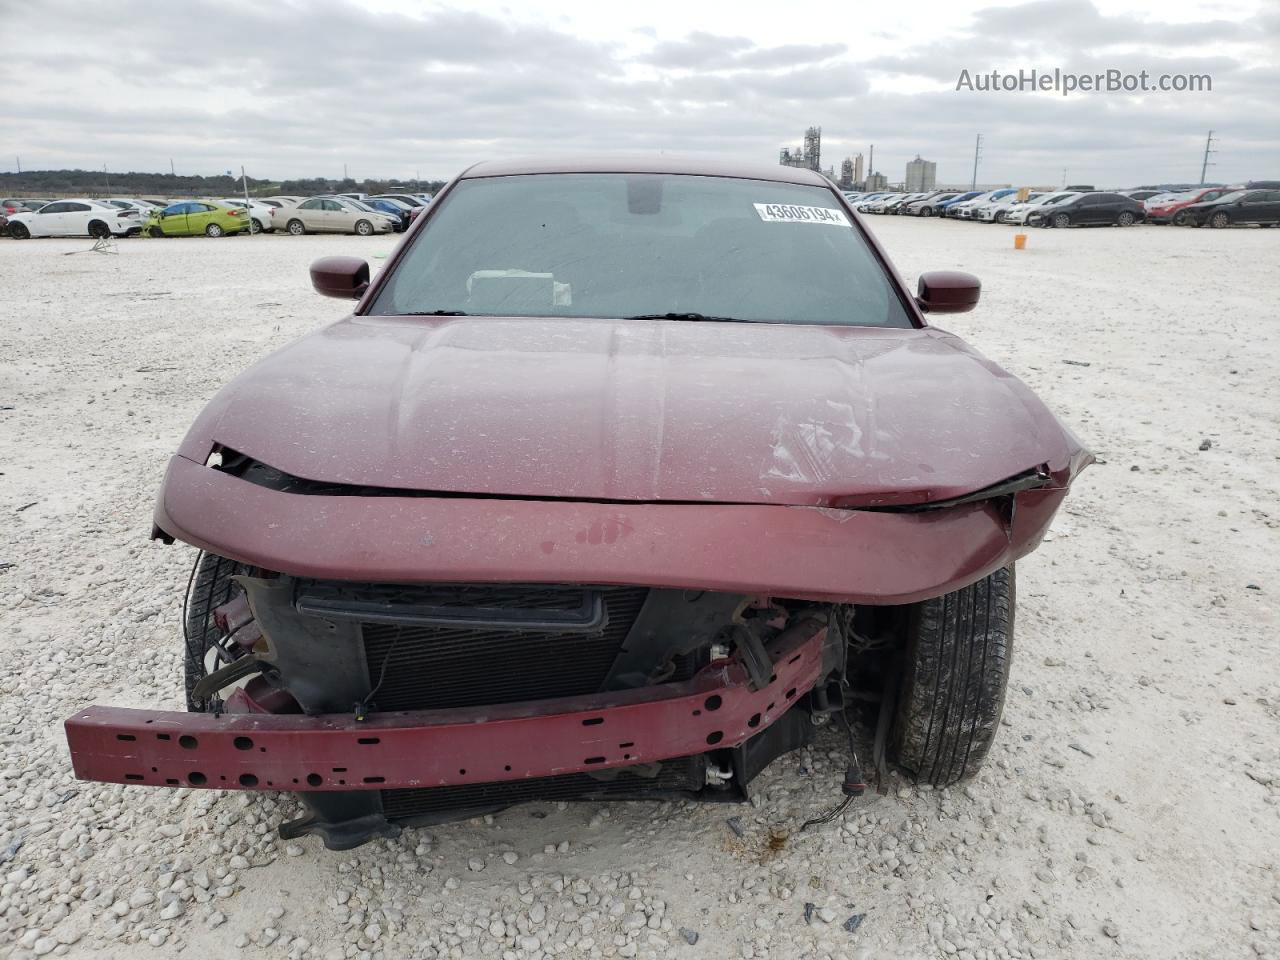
[{"x": 331, "y": 215}]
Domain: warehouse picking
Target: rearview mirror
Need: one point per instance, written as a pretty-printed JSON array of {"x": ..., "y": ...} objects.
[
  {"x": 948, "y": 291},
  {"x": 344, "y": 277}
]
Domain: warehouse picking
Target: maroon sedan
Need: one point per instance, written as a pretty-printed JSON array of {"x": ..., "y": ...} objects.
[{"x": 620, "y": 479}]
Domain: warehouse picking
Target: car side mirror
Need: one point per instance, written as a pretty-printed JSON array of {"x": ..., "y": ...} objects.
[
  {"x": 948, "y": 291},
  {"x": 344, "y": 277}
]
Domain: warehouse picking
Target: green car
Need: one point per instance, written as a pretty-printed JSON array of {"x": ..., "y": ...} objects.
[{"x": 193, "y": 217}]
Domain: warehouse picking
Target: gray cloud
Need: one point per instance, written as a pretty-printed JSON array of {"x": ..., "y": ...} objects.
[{"x": 294, "y": 90}]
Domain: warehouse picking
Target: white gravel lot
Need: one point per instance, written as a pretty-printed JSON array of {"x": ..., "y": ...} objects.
[{"x": 1132, "y": 804}]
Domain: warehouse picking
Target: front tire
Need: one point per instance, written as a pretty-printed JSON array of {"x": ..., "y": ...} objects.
[
  {"x": 1062, "y": 221},
  {"x": 19, "y": 231},
  {"x": 364, "y": 228},
  {"x": 211, "y": 586},
  {"x": 958, "y": 649},
  {"x": 1180, "y": 219},
  {"x": 1219, "y": 220}
]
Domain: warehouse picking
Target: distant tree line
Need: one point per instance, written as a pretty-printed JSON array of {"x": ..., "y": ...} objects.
[{"x": 97, "y": 183}]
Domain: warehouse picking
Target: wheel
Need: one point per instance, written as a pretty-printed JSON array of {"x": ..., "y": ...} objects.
[
  {"x": 296, "y": 228},
  {"x": 926, "y": 212},
  {"x": 1219, "y": 220},
  {"x": 98, "y": 230},
  {"x": 1126, "y": 219},
  {"x": 211, "y": 586},
  {"x": 254, "y": 227},
  {"x": 155, "y": 232},
  {"x": 1180, "y": 218},
  {"x": 952, "y": 691},
  {"x": 364, "y": 228},
  {"x": 1061, "y": 220},
  {"x": 19, "y": 231},
  {"x": 213, "y": 230}
]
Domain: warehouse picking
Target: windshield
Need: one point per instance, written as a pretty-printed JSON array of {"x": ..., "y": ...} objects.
[{"x": 642, "y": 245}]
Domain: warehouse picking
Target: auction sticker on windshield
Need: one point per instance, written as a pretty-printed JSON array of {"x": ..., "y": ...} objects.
[{"x": 790, "y": 213}]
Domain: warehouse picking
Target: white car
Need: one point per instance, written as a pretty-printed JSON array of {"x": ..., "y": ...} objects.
[
  {"x": 75, "y": 218},
  {"x": 259, "y": 212},
  {"x": 1019, "y": 214},
  {"x": 966, "y": 209},
  {"x": 994, "y": 211}
]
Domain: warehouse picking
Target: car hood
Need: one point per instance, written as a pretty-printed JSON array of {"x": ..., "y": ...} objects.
[{"x": 639, "y": 411}]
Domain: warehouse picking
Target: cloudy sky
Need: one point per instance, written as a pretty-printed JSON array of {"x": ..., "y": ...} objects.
[{"x": 402, "y": 88}]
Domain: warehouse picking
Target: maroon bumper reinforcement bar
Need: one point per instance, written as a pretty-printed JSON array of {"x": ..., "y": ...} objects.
[{"x": 430, "y": 748}]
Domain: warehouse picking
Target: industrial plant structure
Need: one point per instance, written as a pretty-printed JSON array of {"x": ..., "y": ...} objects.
[
  {"x": 922, "y": 175},
  {"x": 809, "y": 155}
]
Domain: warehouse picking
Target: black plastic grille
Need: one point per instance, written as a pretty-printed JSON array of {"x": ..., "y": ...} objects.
[
  {"x": 435, "y": 665},
  {"x": 674, "y": 776}
]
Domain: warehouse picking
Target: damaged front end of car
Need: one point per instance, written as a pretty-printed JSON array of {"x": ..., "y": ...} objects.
[{"x": 655, "y": 662}]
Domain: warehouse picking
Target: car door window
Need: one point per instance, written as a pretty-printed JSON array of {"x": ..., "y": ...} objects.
[
  {"x": 58, "y": 207},
  {"x": 311, "y": 205},
  {"x": 331, "y": 206}
]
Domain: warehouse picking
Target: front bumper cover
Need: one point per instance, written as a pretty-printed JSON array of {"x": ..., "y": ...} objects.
[{"x": 717, "y": 708}]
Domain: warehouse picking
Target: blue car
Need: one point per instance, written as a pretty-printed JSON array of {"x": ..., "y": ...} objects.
[{"x": 394, "y": 208}]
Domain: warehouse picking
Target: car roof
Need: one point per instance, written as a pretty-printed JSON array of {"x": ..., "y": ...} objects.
[{"x": 643, "y": 163}]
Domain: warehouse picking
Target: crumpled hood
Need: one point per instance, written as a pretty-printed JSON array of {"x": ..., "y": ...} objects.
[{"x": 638, "y": 410}]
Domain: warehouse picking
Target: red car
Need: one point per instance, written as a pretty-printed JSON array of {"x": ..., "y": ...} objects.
[
  {"x": 622, "y": 476},
  {"x": 1169, "y": 209}
]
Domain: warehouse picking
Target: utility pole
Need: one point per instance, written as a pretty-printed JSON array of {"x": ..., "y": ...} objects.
[
  {"x": 344, "y": 171},
  {"x": 171, "y": 173},
  {"x": 1064, "y": 178},
  {"x": 1208, "y": 149},
  {"x": 19, "y": 159},
  {"x": 106, "y": 178},
  {"x": 977, "y": 152},
  {"x": 871, "y": 161},
  {"x": 244, "y": 182}
]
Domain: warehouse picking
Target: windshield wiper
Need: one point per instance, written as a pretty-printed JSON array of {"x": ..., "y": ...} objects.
[
  {"x": 434, "y": 313},
  {"x": 687, "y": 316}
]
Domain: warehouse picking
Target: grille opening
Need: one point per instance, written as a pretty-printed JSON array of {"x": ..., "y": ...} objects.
[{"x": 459, "y": 664}]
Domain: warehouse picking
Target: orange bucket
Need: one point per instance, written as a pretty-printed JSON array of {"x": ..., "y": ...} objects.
[{"x": 1019, "y": 241}]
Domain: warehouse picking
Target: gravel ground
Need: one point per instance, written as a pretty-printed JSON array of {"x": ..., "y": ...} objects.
[{"x": 1131, "y": 807}]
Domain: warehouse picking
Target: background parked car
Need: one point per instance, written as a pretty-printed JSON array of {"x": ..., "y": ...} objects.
[
  {"x": 928, "y": 206},
  {"x": 965, "y": 209},
  {"x": 73, "y": 218},
  {"x": 406, "y": 198},
  {"x": 333, "y": 215},
  {"x": 995, "y": 211},
  {"x": 392, "y": 208},
  {"x": 193, "y": 217},
  {"x": 1090, "y": 209},
  {"x": 133, "y": 210},
  {"x": 944, "y": 208},
  {"x": 24, "y": 205},
  {"x": 1140, "y": 194},
  {"x": 1169, "y": 207},
  {"x": 1019, "y": 213},
  {"x": 1243, "y": 206},
  {"x": 259, "y": 213}
]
